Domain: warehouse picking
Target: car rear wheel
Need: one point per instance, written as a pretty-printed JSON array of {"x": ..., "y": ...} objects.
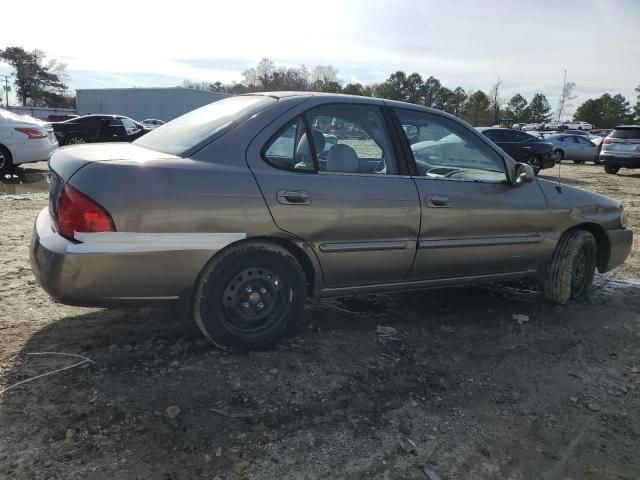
[
  {"x": 6, "y": 161},
  {"x": 249, "y": 297},
  {"x": 558, "y": 155},
  {"x": 74, "y": 139},
  {"x": 611, "y": 169},
  {"x": 572, "y": 267}
]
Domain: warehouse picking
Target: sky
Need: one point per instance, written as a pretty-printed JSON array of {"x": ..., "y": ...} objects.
[{"x": 527, "y": 44}]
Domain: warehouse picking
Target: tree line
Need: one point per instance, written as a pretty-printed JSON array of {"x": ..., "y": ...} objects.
[
  {"x": 40, "y": 82},
  {"x": 475, "y": 106}
]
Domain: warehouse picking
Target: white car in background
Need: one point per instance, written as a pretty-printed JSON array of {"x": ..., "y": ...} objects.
[
  {"x": 24, "y": 139},
  {"x": 152, "y": 123},
  {"x": 531, "y": 126},
  {"x": 575, "y": 125}
]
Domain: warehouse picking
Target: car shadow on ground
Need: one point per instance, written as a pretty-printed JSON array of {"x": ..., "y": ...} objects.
[{"x": 158, "y": 400}]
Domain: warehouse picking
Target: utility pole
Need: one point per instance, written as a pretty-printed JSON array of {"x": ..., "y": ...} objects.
[
  {"x": 6, "y": 88},
  {"x": 562, "y": 94}
]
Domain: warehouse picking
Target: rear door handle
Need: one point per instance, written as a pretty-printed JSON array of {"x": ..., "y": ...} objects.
[
  {"x": 526, "y": 148},
  {"x": 438, "y": 201},
  {"x": 293, "y": 197}
]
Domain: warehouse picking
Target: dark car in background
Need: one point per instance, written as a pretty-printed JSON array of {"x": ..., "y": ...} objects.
[
  {"x": 621, "y": 149},
  {"x": 98, "y": 128},
  {"x": 522, "y": 147}
]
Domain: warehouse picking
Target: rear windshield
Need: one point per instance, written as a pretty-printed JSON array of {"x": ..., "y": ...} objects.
[
  {"x": 183, "y": 133},
  {"x": 632, "y": 133}
]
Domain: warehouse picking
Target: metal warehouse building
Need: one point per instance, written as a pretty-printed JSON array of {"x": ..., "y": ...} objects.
[{"x": 140, "y": 103}]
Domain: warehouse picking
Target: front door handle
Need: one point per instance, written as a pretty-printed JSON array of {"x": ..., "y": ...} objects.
[
  {"x": 526, "y": 148},
  {"x": 293, "y": 197},
  {"x": 438, "y": 201}
]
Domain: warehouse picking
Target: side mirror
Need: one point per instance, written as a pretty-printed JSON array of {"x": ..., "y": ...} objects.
[{"x": 523, "y": 173}]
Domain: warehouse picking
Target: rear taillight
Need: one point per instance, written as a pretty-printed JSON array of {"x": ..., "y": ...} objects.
[
  {"x": 607, "y": 141},
  {"x": 78, "y": 213},
  {"x": 33, "y": 132}
]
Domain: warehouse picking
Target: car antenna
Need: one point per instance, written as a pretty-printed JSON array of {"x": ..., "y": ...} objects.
[{"x": 559, "y": 185}]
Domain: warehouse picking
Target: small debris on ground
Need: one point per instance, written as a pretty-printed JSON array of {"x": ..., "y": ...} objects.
[
  {"x": 593, "y": 406},
  {"x": 383, "y": 331},
  {"x": 431, "y": 475},
  {"x": 520, "y": 318},
  {"x": 173, "y": 411}
]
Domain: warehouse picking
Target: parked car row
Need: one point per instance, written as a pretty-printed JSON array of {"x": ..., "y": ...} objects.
[{"x": 552, "y": 126}]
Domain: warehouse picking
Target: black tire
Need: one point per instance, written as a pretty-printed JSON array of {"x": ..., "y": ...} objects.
[
  {"x": 6, "y": 160},
  {"x": 611, "y": 169},
  {"x": 235, "y": 287},
  {"x": 536, "y": 164},
  {"x": 75, "y": 139},
  {"x": 579, "y": 161},
  {"x": 572, "y": 267},
  {"x": 558, "y": 155}
]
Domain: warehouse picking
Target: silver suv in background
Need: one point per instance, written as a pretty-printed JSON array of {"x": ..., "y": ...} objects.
[{"x": 621, "y": 149}]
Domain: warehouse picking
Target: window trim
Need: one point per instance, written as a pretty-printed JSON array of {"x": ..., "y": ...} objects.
[{"x": 404, "y": 141}]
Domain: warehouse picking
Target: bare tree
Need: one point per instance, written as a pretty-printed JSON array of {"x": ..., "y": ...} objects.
[
  {"x": 565, "y": 97},
  {"x": 265, "y": 70},
  {"x": 496, "y": 100},
  {"x": 324, "y": 74}
]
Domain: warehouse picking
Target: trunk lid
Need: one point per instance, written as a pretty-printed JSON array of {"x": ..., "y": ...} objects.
[{"x": 66, "y": 161}]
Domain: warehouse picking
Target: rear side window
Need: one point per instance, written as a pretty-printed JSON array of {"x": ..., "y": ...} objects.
[
  {"x": 630, "y": 133},
  {"x": 182, "y": 134},
  {"x": 290, "y": 149}
]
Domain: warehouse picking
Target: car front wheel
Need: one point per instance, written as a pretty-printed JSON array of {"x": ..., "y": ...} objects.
[
  {"x": 572, "y": 267},
  {"x": 611, "y": 169},
  {"x": 558, "y": 155},
  {"x": 249, "y": 297},
  {"x": 536, "y": 164}
]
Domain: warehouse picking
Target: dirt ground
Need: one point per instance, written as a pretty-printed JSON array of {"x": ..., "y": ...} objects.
[{"x": 451, "y": 390}]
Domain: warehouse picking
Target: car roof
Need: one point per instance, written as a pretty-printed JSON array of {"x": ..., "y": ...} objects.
[{"x": 627, "y": 127}]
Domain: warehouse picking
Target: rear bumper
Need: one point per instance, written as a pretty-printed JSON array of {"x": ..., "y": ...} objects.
[
  {"x": 80, "y": 276},
  {"x": 34, "y": 150},
  {"x": 620, "y": 240},
  {"x": 620, "y": 161}
]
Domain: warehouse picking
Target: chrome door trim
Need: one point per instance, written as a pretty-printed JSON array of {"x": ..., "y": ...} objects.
[
  {"x": 480, "y": 242},
  {"x": 363, "y": 246}
]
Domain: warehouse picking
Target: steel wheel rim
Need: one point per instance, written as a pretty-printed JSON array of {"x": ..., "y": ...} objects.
[
  {"x": 536, "y": 163},
  {"x": 76, "y": 140},
  {"x": 557, "y": 156},
  {"x": 580, "y": 271},
  {"x": 253, "y": 300}
]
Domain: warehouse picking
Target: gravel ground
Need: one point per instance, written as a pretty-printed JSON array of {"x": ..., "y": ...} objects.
[{"x": 447, "y": 389}]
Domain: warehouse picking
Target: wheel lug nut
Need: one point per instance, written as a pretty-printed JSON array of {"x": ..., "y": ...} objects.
[
  {"x": 245, "y": 305},
  {"x": 261, "y": 305},
  {"x": 263, "y": 290},
  {"x": 249, "y": 290}
]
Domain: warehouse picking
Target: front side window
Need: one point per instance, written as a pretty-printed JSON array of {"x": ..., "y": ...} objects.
[
  {"x": 444, "y": 150},
  {"x": 354, "y": 139}
]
